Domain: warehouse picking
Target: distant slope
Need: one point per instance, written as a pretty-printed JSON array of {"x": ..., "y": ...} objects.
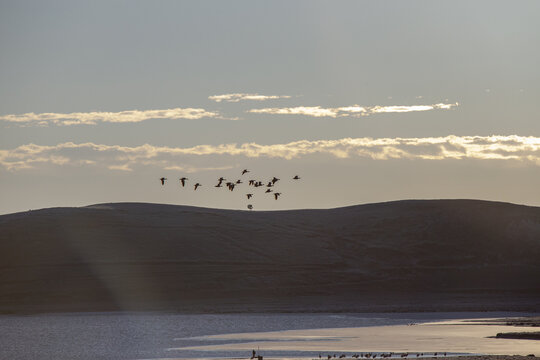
[{"x": 404, "y": 255}]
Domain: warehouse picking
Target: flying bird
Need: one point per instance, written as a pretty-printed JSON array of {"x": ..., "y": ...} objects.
[
  {"x": 274, "y": 180},
  {"x": 196, "y": 186},
  {"x": 249, "y": 196},
  {"x": 276, "y": 195},
  {"x": 296, "y": 177},
  {"x": 245, "y": 171},
  {"x": 251, "y": 182},
  {"x": 268, "y": 191},
  {"x": 239, "y": 181},
  {"x": 270, "y": 184},
  {"x": 183, "y": 181},
  {"x": 163, "y": 180}
]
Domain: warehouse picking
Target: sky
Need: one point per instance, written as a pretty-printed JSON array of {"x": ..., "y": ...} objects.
[{"x": 366, "y": 101}]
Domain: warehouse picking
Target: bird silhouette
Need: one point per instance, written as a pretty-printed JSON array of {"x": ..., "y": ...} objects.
[
  {"x": 239, "y": 181},
  {"x": 245, "y": 171},
  {"x": 196, "y": 186},
  {"x": 270, "y": 184},
  {"x": 183, "y": 181},
  {"x": 274, "y": 180},
  {"x": 251, "y": 182},
  {"x": 249, "y": 196},
  {"x": 268, "y": 191},
  {"x": 163, "y": 180},
  {"x": 231, "y": 186},
  {"x": 221, "y": 179},
  {"x": 276, "y": 195},
  {"x": 218, "y": 185},
  {"x": 296, "y": 177}
]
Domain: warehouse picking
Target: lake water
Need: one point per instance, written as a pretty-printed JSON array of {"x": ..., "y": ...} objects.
[{"x": 153, "y": 335}]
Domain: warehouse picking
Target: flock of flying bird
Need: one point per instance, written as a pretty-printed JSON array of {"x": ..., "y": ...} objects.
[{"x": 232, "y": 184}]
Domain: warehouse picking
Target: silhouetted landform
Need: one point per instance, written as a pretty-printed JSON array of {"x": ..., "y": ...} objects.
[
  {"x": 436, "y": 255},
  {"x": 533, "y": 321},
  {"x": 519, "y": 335}
]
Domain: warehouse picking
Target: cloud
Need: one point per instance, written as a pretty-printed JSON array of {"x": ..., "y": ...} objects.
[
  {"x": 116, "y": 157},
  {"x": 354, "y": 110},
  {"x": 192, "y": 169},
  {"x": 92, "y": 118},
  {"x": 239, "y": 96}
]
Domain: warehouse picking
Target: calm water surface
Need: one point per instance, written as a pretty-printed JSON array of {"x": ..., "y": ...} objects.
[{"x": 149, "y": 335}]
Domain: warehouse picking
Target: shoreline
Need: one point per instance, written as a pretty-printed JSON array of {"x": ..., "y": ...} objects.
[
  {"x": 452, "y": 357},
  {"x": 281, "y": 337},
  {"x": 457, "y": 336}
]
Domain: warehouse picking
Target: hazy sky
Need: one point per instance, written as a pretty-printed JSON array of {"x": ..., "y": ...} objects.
[{"x": 366, "y": 101}]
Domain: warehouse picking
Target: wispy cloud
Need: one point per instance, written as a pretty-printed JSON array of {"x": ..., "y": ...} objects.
[
  {"x": 240, "y": 96},
  {"x": 115, "y": 157},
  {"x": 94, "y": 117},
  {"x": 354, "y": 110}
]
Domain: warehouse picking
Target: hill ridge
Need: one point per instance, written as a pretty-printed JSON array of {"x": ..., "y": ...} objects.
[{"x": 159, "y": 256}]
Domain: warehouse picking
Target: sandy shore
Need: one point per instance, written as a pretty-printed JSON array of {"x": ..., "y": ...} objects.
[{"x": 456, "y": 336}]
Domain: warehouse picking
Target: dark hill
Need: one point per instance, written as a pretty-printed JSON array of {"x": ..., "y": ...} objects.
[{"x": 404, "y": 255}]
